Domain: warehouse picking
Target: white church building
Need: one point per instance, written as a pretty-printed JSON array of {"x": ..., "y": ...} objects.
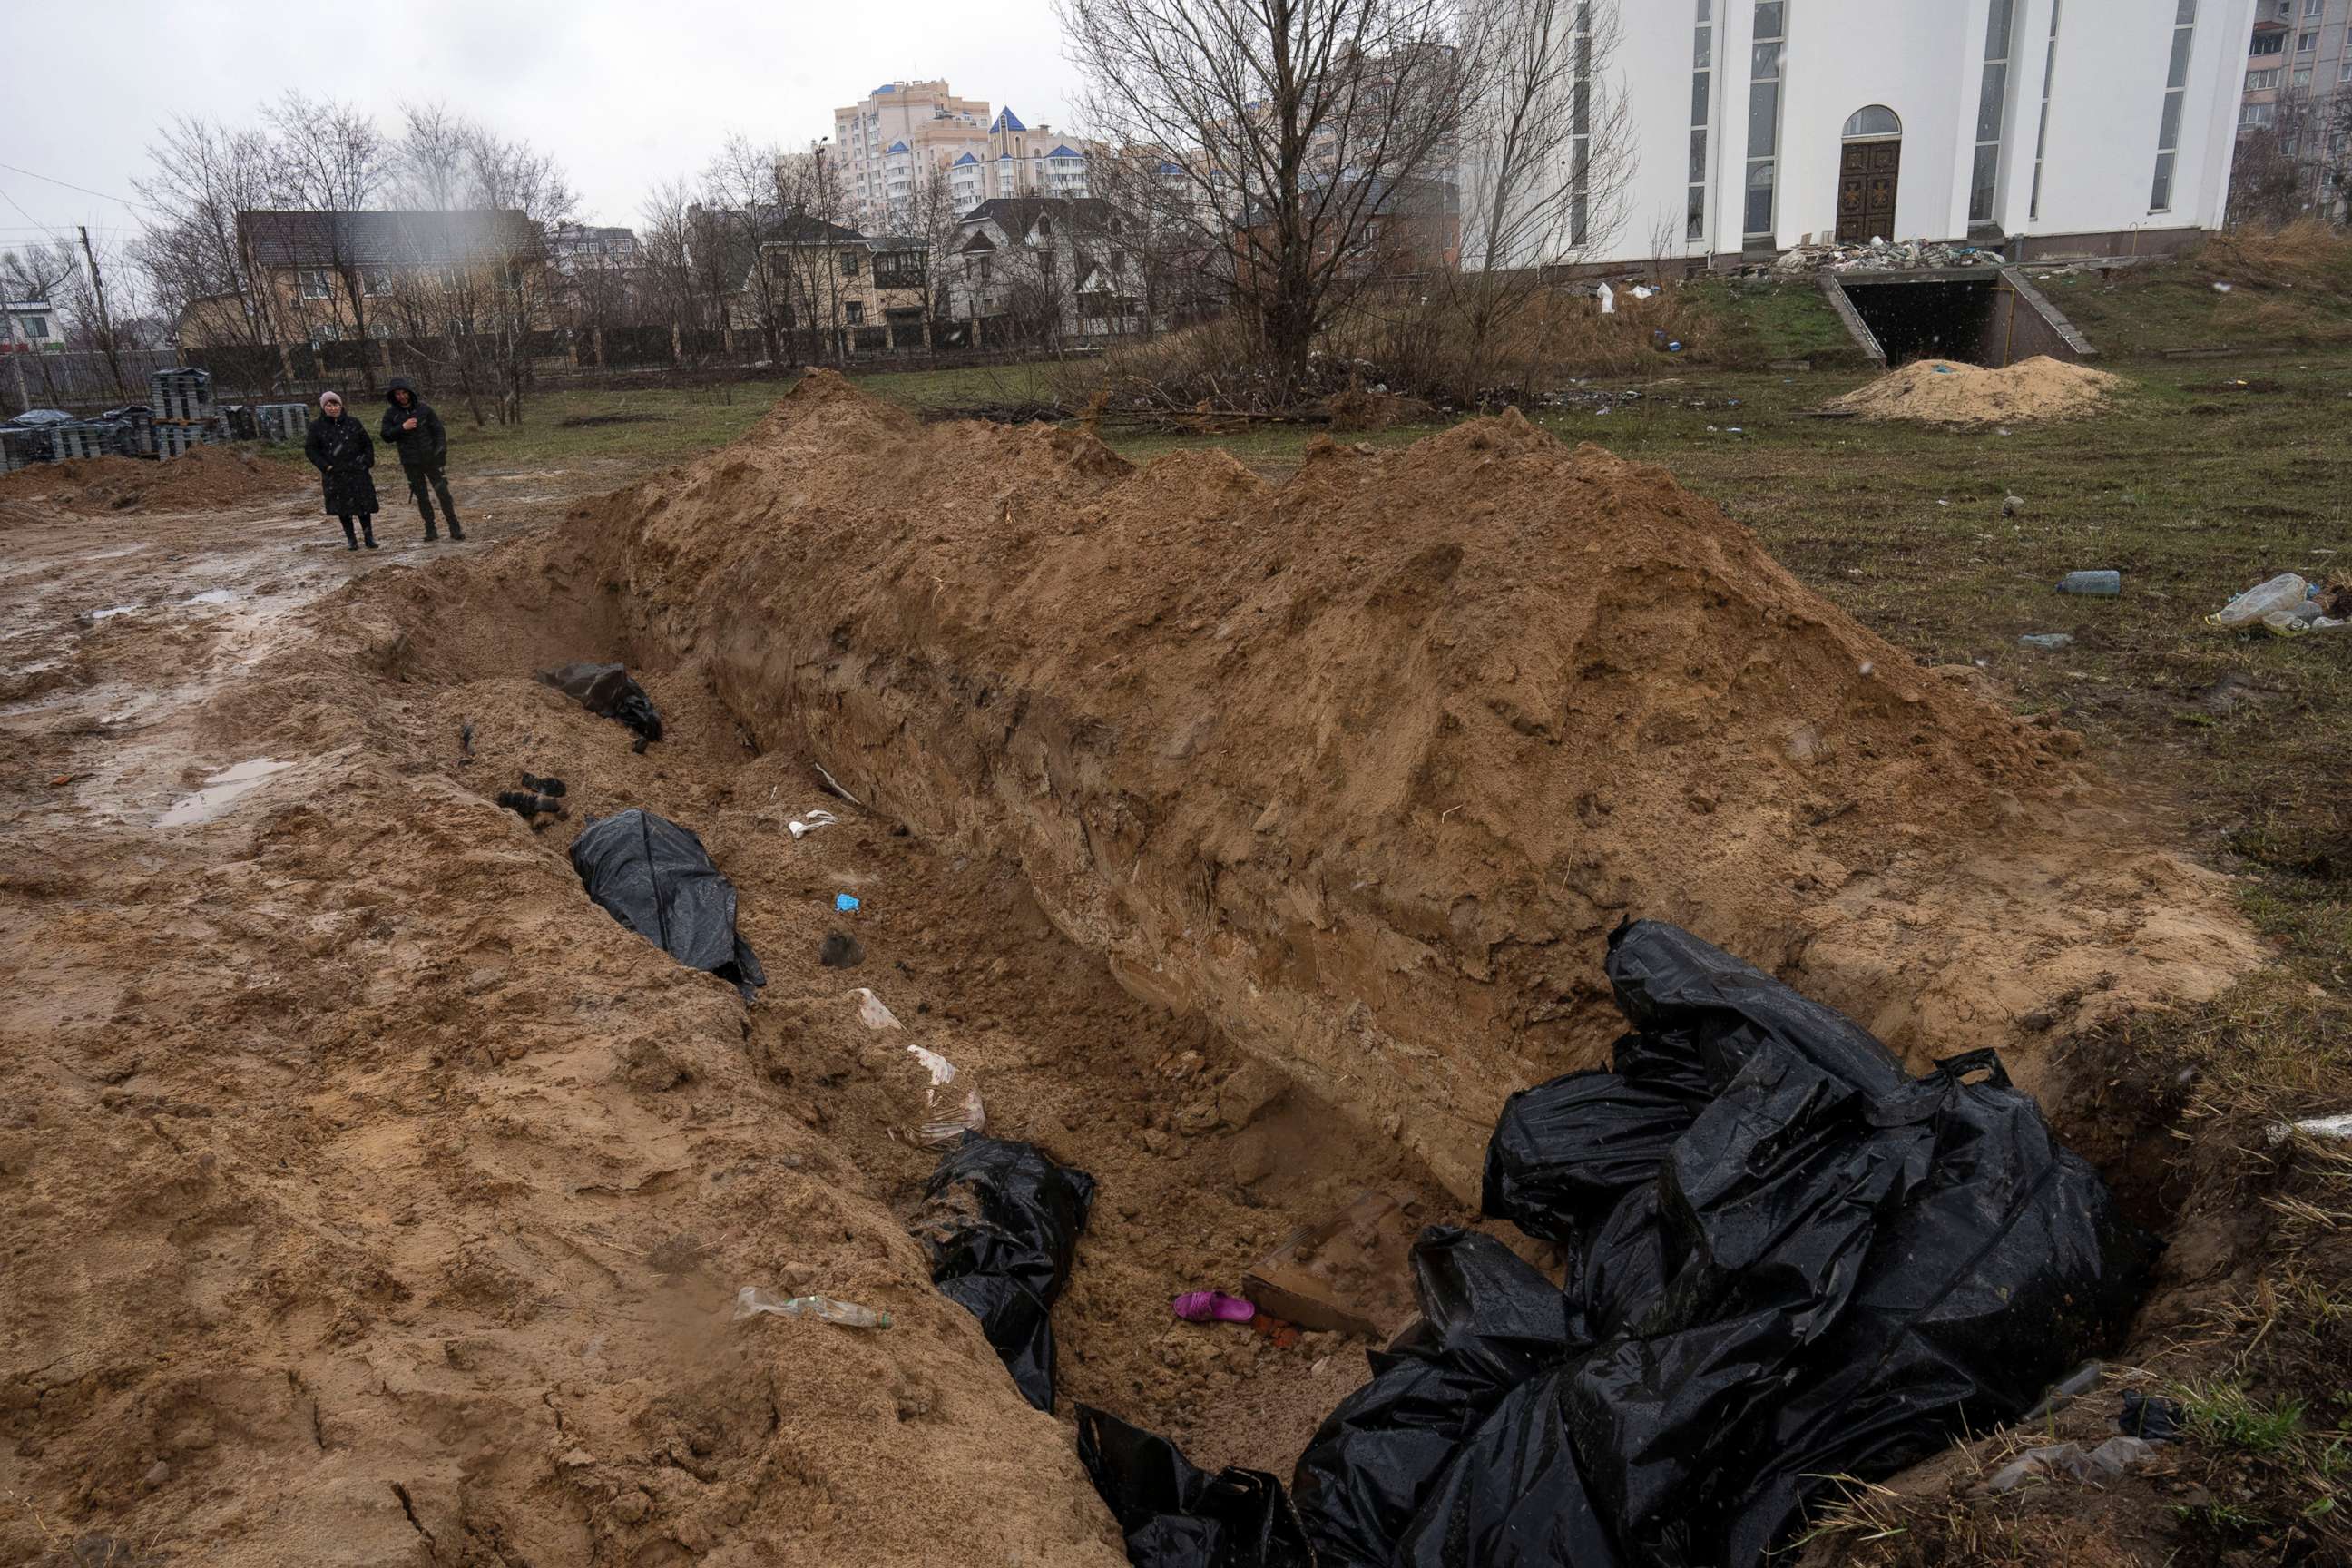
[{"x": 2060, "y": 126}]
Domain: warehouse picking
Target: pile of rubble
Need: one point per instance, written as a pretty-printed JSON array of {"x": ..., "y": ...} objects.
[{"x": 1885, "y": 256}]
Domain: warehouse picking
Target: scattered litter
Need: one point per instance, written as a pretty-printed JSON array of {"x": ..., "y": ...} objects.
[
  {"x": 802, "y": 826},
  {"x": 751, "y": 1301},
  {"x": 608, "y": 691},
  {"x": 2012, "y": 505},
  {"x": 547, "y": 786},
  {"x": 466, "y": 739},
  {"x": 2106, "y": 1462},
  {"x": 2318, "y": 1127},
  {"x": 2097, "y": 584},
  {"x": 2155, "y": 1417},
  {"x": 2225, "y": 287},
  {"x": 1881, "y": 256},
  {"x": 2064, "y": 1392},
  {"x": 839, "y": 950},
  {"x": 1000, "y": 1222},
  {"x": 1786, "y": 1261},
  {"x": 1642, "y": 292},
  {"x": 1175, "y": 1516},
  {"x": 871, "y": 1013},
  {"x": 532, "y": 807},
  {"x": 948, "y": 1112},
  {"x": 845, "y": 903},
  {"x": 1211, "y": 1307},
  {"x": 656, "y": 878},
  {"x": 2287, "y": 606},
  {"x": 1608, "y": 299},
  {"x": 2046, "y": 642},
  {"x": 1945, "y": 370}
]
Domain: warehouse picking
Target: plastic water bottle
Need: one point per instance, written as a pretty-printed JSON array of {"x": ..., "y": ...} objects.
[
  {"x": 750, "y": 1301},
  {"x": 2099, "y": 584}
]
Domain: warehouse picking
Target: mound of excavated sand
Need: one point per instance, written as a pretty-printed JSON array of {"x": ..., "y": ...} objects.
[
  {"x": 1364, "y": 765},
  {"x": 1940, "y": 392},
  {"x": 205, "y": 476}
]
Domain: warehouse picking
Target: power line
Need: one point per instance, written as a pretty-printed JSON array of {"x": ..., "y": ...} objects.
[
  {"x": 28, "y": 217},
  {"x": 69, "y": 184}
]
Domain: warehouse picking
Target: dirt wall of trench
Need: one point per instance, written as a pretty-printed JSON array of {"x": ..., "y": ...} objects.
[{"x": 1362, "y": 767}]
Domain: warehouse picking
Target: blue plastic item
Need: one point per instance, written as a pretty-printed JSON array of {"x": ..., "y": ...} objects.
[{"x": 844, "y": 902}]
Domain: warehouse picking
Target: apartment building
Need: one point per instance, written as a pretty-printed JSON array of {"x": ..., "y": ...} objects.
[
  {"x": 894, "y": 136},
  {"x": 2300, "y": 49},
  {"x": 2294, "y": 124},
  {"x": 889, "y": 144}
]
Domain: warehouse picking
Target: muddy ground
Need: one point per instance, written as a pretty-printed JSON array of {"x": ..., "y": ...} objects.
[{"x": 375, "y": 1198}]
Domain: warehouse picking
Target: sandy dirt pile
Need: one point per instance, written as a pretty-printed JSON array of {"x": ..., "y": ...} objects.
[
  {"x": 207, "y": 477},
  {"x": 1363, "y": 766},
  {"x": 1941, "y": 392}
]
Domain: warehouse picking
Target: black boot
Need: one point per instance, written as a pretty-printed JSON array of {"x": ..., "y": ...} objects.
[
  {"x": 455, "y": 532},
  {"x": 367, "y": 531},
  {"x": 429, "y": 535},
  {"x": 351, "y": 539}
]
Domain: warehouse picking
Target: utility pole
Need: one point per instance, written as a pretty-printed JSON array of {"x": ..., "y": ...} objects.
[{"x": 105, "y": 322}]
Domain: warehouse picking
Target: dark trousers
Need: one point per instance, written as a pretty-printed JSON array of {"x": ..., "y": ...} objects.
[{"x": 435, "y": 477}]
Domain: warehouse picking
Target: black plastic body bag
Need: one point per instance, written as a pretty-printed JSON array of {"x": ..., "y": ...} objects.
[{"x": 656, "y": 878}]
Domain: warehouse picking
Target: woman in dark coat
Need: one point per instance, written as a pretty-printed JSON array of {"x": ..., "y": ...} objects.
[{"x": 340, "y": 449}]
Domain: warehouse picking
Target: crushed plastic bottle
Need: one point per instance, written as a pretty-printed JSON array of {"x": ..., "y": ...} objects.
[
  {"x": 2283, "y": 603},
  {"x": 751, "y": 1301},
  {"x": 2098, "y": 585}
]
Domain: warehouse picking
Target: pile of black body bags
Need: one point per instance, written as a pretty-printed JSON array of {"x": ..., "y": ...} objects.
[{"x": 1786, "y": 1261}]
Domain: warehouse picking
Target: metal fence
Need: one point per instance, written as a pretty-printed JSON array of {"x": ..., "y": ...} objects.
[{"x": 78, "y": 379}]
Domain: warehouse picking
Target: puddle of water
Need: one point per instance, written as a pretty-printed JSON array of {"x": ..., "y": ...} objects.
[{"x": 221, "y": 791}]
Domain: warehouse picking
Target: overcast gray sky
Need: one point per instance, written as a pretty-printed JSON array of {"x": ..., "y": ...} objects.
[{"x": 625, "y": 94}]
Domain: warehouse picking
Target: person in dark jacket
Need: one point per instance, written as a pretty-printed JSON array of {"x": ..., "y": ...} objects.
[
  {"x": 339, "y": 448},
  {"x": 410, "y": 426}
]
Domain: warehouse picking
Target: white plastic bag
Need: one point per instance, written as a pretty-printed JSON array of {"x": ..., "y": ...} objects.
[
  {"x": 871, "y": 1013},
  {"x": 948, "y": 1112},
  {"x": 1608, "y": 301},
  {"x": 802, "y": 828},
  {"x": 2285, "y": 592}
]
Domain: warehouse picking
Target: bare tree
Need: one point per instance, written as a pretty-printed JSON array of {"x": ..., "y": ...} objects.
[
  {"x": 2297, "y": 165},
  {"x": 523, "y": 194},
  {"x": 205, "y": 173},
  {"x": 1299, "y": 130},
  {"x": 431, "y": 161},
  {"x": 332, "y": 160},
  {"x": 669, "y": 270},
  {"x": 1548, "y": 160},
  {"x": 934, "y": 218}
]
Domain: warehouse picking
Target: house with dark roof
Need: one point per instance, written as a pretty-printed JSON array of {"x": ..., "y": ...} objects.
[
  {"x": 861, "y": 292},
  {"x": 323, "y": 277},
  {"x": 1045, "y": 268}
]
